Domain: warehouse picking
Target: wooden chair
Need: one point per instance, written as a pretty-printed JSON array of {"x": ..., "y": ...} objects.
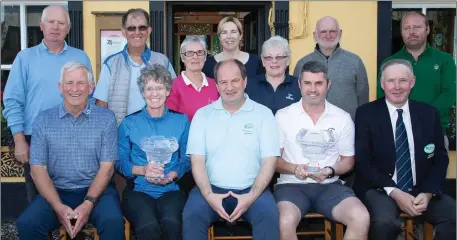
[
  {"x": 409, "y": 230},
  {"x": 90, "y": 229},
  {"x": 328, "y": 234}
]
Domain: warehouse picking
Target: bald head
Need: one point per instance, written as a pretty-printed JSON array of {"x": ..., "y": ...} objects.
[
  {"x": 327, "y": 34},
  {"x": 54, "y": 10},
  {"x": 327, "y": 21}
]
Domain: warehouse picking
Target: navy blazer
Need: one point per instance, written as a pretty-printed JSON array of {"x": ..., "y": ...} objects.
[{"x": 375, "y": 148}]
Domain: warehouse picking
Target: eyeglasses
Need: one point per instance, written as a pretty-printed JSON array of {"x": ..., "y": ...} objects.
[
  {"x": 156, "y": 89},
  {"x": 192, "y": 53},
  {"x": 277, "y": 58},
  {"x": 331, "y": 32},
  {"x": 141, "y": 28}
]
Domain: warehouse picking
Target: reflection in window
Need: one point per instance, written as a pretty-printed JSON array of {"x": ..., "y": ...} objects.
[
  {"x": 10, "y": 33},
  {"x": 7, "y": 138},
  {"x": 34, "y": 34},
  {"x": 441, "y": 23}
]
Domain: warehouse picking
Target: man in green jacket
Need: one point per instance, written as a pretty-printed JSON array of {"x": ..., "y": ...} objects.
[{"x": 434, "y": 70}]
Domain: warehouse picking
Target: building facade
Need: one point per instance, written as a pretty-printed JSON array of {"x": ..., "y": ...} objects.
[{"x": 370, "y": 29}]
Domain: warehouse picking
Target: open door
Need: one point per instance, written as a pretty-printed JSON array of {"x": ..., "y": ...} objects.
[{"x": 251, "y": 33}]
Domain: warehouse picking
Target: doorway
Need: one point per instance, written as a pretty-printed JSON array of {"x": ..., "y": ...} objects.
[{"x": 201, "y": 18}]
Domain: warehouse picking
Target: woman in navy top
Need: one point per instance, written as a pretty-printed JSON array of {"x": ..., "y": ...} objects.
[
  {"x": 230, "y": 32},
  {"x": 154, "y": 205},
  {"x": 276, "y": 88}
]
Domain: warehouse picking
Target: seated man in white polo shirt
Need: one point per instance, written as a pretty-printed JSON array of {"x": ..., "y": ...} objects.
[
  {"x": 233, "y": 145},
  {"x": 308, "y": 184}
]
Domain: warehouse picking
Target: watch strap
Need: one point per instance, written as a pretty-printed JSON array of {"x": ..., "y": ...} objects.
[{"x": 333, "y": 171}]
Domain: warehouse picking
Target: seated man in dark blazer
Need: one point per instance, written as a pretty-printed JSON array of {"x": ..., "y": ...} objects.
[{"x": 400, "y": 157}]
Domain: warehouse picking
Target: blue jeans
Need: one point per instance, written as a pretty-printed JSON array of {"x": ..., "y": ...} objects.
[
  {"x": 154, "y": 219},
  {"x": 262, "y": 215},
  {"x": 38, "y": 219}
]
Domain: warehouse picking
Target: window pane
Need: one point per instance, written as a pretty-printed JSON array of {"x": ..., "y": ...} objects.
[
  {"x": 442, "y": 27},
  {"x": 397, "y": 15},
  {"x": 34, "y": 34},
  {"x": 10, "y": 33},
  {"x": 7, "y": 139}
]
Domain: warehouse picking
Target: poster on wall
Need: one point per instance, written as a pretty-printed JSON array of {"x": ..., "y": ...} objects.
[{"x": 112, "y": 42}]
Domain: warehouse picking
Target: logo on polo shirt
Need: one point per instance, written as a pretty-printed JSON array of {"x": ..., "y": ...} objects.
[
  {"x": 436, "y": 67},
  {"x": 248, "y": 128},
  {"x": 290, "y": 97}
]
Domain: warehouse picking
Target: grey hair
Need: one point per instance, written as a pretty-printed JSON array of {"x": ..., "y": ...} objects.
[
  {"x": 71, "y": 66},
  {"x": 392, "y": 62},
  {"x": 192, "y": 39},
  {"x": 156, "y": 73},
  {"x": 277, "y": 41},
  {"x": 44, "y": 15},
  {"x": 314, "y": 67}
]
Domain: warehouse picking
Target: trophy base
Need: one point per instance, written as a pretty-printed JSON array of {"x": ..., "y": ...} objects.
[
  {"x": 313, "y": 170},
  {"x": 158, "y": 179}
]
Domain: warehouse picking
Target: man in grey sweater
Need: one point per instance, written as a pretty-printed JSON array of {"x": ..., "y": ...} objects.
[{"x": 345, "y": 69}]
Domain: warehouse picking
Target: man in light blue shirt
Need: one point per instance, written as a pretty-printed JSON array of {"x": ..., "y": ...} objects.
[
  {"x": 116, "y": 88},
  {"x": 233, "y": 144},
  {"x": 32, "y": 83}
]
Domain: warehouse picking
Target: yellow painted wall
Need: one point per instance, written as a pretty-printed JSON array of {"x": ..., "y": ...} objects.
[
  {"x": 89, "y": 20},
  {"x": 358, "y": 20}
]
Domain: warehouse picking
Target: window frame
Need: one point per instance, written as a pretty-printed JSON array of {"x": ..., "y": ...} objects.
[
  {"x": 424, "y": 7},
  {"x": 23, "y": 19}
]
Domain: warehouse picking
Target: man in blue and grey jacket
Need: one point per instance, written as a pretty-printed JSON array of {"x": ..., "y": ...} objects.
[{"x": 116, "y": 88}]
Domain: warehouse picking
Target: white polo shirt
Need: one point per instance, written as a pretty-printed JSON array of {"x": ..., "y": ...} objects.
[{"x": 292, "y": 119}]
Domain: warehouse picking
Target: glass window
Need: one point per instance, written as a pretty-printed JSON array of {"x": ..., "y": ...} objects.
[
  {"x": 7, "y": 139},
  {"x": 442, "y": 27},
  {"x": 10, "y": 33}
]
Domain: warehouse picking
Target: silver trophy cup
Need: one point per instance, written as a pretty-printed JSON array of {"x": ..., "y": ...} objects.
[
  {"x": 159, "y": 150},
  {"x": 314, "y": 145}
]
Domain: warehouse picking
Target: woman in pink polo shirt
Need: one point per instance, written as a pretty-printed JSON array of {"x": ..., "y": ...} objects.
[{"x": 192, "y": 89}]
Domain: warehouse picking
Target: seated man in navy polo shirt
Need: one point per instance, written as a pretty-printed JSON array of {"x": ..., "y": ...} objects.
[
  {"x": 74, "y": 146},
  {"x": 275, "y": 89}
]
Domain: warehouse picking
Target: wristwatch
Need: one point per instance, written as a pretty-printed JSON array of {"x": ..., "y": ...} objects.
[
  {"x": 94, "y": 200},
  {"x": 333, "y": 171}
]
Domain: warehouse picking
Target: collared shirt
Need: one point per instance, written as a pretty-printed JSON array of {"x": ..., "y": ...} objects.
[
  {"x": 233, "y": 144},
  {"x": 72, "y": 148},
  {"x": 292, "y": 119},
  {"x": 188, "y": 82},
  {"x": 136, "y": 101},
  {"x": 261, "y": 91},
  {"x": 409, "y": 132},
  {"x": 139, "y": 125},
  {"x": 435, "y": 74},
  {"x": 32, "y": 84}
]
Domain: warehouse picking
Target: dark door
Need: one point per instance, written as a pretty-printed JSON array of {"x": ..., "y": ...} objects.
[{"x": 251, "y": 33}]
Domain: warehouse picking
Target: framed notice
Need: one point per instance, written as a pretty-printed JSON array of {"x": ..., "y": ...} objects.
[{"x": 111, "y": 42}]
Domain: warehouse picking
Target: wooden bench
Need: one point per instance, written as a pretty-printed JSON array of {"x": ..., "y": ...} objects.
[
  {"x": 90, "y": 229},
  {"x": 328, "y": 232},
  {"x": 409, "y": 230}
]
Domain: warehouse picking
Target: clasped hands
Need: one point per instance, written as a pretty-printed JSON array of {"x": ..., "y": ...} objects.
[
  {"x": 301, "y": 172},
  {"x": 154, "y": 174},
  {"x": 244, "y": 202},
  {"x": 413, "y": 206},
  {"x": 66, "y": 214}
]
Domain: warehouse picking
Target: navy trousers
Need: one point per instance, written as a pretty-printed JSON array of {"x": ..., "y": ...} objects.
[
  {"x": 39, "y": 218},
  {"x": 262, "y": 215}
]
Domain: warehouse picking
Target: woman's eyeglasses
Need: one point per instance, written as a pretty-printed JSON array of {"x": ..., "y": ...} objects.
[
  {"x": 142, "y": 28},
  {"x": 277, "y": 58},
  {"x": 192, "y": 53}
]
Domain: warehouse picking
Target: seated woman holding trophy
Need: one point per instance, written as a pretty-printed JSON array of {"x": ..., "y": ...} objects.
[{"x": 152, "y": 155}]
